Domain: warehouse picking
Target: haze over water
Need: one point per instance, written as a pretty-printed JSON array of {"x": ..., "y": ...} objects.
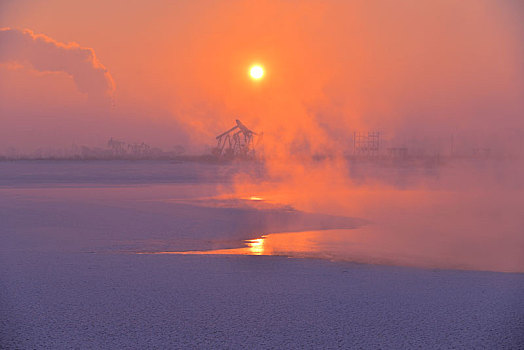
[
  {"x": 261, "y": 174},
  {"x": 442, "y": 81}
]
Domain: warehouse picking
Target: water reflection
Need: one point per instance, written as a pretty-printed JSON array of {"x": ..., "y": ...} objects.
[
  {"x": 376, "y": 245},
  {"x": 256, "y": 246},
  {"x": 290, "y": 244}
]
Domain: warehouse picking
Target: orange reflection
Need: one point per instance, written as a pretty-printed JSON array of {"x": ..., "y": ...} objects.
[
  {"x": 256, "y": 246},
  {"x": 289, "y": 244},
  {"x": 253, "y": 247},
  {"x": 389, "y": 245}
]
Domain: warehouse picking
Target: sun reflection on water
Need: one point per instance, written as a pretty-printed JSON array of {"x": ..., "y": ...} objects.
[
  {"x": 270, "y": 244},
  {"x": 256, "y": 246}
]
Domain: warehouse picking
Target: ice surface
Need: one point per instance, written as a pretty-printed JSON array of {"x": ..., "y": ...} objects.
[
  {"x": 122, "y": 301},
  {"x": 70, "y": 276}
]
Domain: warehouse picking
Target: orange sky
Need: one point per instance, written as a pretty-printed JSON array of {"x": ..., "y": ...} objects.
[{"x": 332, "y": 67}]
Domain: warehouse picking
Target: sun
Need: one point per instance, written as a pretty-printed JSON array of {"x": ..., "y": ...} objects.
[{"x": 256, "y": 72}]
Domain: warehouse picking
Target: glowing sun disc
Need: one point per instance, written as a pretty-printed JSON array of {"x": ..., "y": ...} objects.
[{"x": 256, "y": 72}]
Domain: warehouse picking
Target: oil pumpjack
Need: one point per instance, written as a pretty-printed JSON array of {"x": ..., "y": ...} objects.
[{"x": 237, "y": 142}]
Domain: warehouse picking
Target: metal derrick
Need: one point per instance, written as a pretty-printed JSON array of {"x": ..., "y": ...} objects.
[{"x": 237, "y": 142}]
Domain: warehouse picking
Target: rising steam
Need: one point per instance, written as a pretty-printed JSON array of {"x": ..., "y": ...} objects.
[{"x": 48, "y": 55}]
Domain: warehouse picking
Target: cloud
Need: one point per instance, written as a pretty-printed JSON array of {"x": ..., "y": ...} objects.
[{"x": 48, "y": 55}]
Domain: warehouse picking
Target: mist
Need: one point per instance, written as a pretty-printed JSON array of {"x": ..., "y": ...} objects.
[
  {"x": 443, "y": 80},
  {"x": 419, "y": 73}
]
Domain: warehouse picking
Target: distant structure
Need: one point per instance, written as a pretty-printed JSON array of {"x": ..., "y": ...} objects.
[
  {"x": 397, "y": 152},
  {"x": 121, "y": 149},
  {"x": 237, "y": 142},
  {"x": 117, "y": 147},
  {"x": 139, "y": 149},
  {"x": 366, "y": 144}
]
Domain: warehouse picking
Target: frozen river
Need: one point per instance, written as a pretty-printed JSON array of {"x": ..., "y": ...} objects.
[{"x": 80, "y": 262}]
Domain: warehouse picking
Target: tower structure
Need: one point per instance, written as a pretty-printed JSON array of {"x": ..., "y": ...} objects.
[{"x": 366, "y": 144}]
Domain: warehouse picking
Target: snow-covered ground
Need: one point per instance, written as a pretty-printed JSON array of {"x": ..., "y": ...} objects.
[{"x": 71, "y": 277}]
